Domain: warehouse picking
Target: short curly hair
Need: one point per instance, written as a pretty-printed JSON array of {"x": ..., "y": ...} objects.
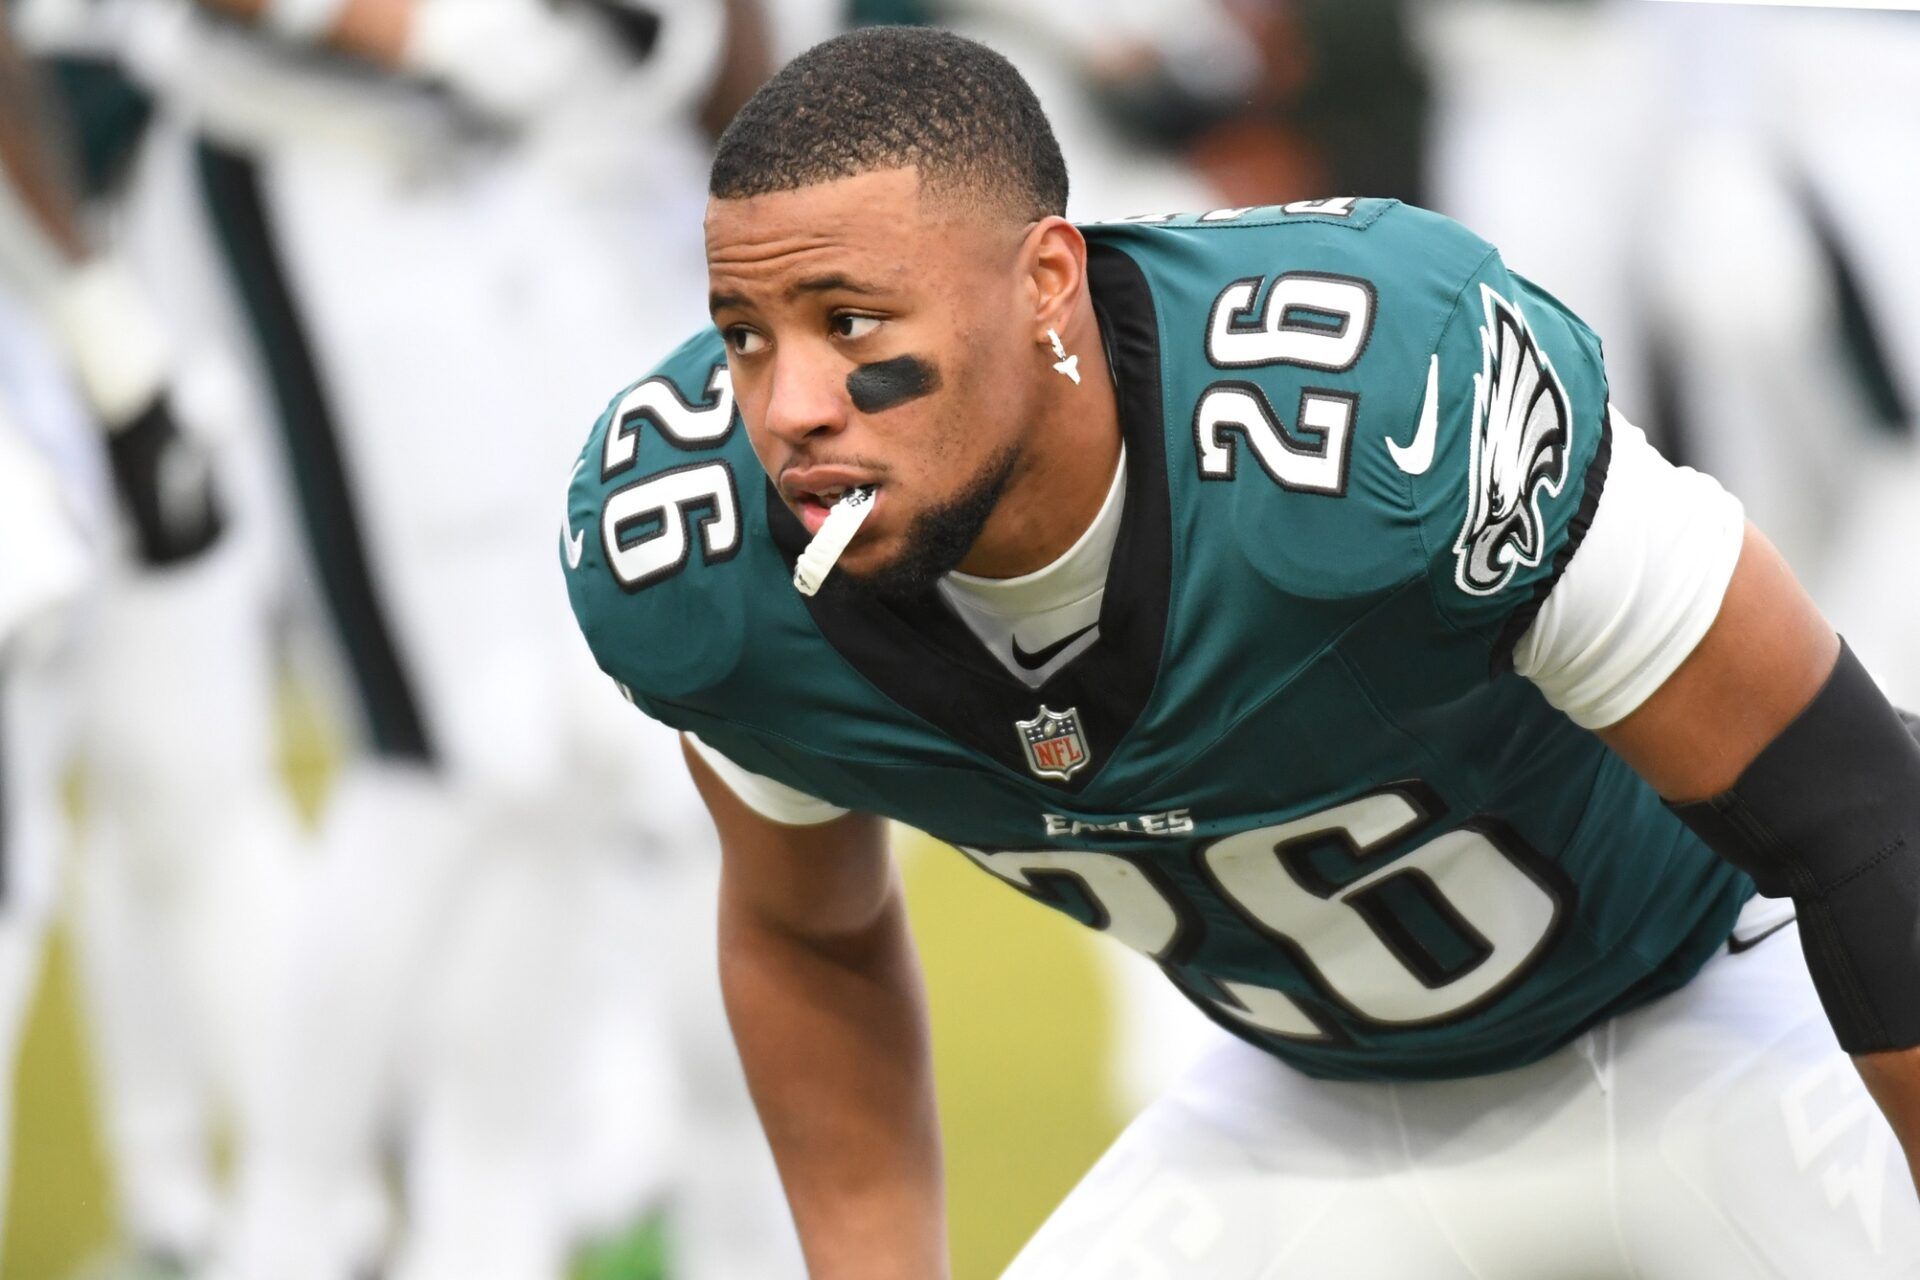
[{"x": 894, "y": 97}]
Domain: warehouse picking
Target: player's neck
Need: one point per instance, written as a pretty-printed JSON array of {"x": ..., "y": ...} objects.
[{"x": 1067, "y": 467}]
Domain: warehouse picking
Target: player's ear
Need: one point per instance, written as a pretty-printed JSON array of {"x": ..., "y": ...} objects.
[{"x": 1054, "y": 259}]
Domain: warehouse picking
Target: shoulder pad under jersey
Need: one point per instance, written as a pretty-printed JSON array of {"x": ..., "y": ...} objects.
[
  {"x": 656, "y": 542},
  {"x": 1373, "y": 397}
]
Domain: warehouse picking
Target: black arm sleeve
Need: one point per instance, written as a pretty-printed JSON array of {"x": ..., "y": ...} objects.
[{"x": 1829, "y": 815}]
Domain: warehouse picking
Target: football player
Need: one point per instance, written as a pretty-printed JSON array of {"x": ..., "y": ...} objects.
[
  {"x": 1277, "y": 590},
  {"x": 400, "y": 190},
  {"x": 51, "y": 469},
  {"x": 187, "y": 824}
]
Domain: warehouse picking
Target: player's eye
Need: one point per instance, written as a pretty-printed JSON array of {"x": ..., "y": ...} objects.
[
  {"x": 744, "y": 341},
  {"x": 852, "y": 326}
]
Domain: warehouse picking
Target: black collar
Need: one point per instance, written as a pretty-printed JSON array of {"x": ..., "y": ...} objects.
[{"x": 923, "y": 658}]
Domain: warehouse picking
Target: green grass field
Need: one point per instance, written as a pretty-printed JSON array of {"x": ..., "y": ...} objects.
[{"x": 1021, "y": 1027}]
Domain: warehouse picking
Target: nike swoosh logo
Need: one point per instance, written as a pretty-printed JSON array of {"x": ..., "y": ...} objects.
[
  {"x": 576, "y": 541},
  {"x": 1736, "y": 944},
  {"x": 1041, "y": 657},
  {"x": 1415, "y": 458}
]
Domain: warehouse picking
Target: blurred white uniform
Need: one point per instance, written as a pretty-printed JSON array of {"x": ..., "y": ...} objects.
[
  {"x": 191, "y": 843},
  {"x": 189, "y": 832},
  {"x": 479, "y": 949},
  {"x": 1713, "y": 1135},
  {"x": 1845, "y": 92},
  {"x": 47, "y": 478},
  {"x": 1660, "y": 164}
]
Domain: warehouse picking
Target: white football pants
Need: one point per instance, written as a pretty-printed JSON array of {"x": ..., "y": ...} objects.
[
  {"x": 1717, "y": 1134},
  {"x": 183, "y": 881}
]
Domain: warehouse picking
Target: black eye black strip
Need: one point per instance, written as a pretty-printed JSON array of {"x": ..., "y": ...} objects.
[{"x": 888, "y": 384}]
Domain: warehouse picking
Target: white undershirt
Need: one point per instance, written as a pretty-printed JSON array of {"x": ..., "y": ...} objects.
[
  {"x": 1632, "y": 603},
  {"x": 1037, "y": 609},
  {"x": 1041, "y": 608}
]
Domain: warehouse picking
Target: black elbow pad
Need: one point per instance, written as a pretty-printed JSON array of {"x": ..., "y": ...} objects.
[{"x": 1829, "y": 815}]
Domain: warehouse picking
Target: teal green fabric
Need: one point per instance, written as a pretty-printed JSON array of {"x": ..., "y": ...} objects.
[
  {"x": 109, "y": 116},
  {"x": 1342, "y": 825}
]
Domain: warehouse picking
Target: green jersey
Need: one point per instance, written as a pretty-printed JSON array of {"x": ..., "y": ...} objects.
[{"x": 1296, "y": 767}]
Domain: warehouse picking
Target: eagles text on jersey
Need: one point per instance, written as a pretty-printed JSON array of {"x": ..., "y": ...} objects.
[{"x": 1295, "y": 768}]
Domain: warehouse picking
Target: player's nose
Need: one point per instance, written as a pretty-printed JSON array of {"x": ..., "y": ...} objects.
[{"x": 808, "y": 398}]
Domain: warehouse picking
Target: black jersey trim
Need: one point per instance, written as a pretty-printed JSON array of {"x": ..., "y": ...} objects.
[
  {"x": 923, "y": 657},
  {"x": 1592, "y": 484},
  {"x": 230, "y": 183}
]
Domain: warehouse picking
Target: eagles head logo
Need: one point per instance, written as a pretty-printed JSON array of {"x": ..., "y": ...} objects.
[{"x": 1522, "y": 430}]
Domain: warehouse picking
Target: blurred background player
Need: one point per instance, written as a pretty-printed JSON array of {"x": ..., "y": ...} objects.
[
  {"x": 425, "y": 216},
  {"x": 544, "y": 953},
  {"x": 1715, "y": 186},
  {"x": 184, "y": 806}
]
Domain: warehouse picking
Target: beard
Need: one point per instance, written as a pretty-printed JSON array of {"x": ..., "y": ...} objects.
[{"x": 937, "y": 539}]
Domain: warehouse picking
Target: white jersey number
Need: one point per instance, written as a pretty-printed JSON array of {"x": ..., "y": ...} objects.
[
  {"x": 663, "y": 504},
  {"x": 1310, "y": 320},
  {"x": 644, "y": 525},
  {"x": 1351, "y": 942}
]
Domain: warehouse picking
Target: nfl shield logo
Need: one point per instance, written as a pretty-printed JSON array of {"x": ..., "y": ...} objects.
[{"x": 1053, "y": 742}]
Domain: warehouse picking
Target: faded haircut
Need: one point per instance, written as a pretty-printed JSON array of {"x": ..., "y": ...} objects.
[{"x": 894, "y": 97}]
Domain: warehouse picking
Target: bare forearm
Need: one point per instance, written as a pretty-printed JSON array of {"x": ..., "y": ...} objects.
[
  {"x": 1894, "y": 1081},
  {"x": 835, "y": 1045}
]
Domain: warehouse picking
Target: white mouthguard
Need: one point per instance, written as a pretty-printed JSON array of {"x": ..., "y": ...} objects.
[{"x": 817, "y": 561}]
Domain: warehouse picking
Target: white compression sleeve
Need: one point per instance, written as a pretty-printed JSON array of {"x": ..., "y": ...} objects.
[{"x": 1642, "y": 589}]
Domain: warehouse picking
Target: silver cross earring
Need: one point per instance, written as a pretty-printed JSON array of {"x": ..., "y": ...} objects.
[{"x": 1066, "y": 364}]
